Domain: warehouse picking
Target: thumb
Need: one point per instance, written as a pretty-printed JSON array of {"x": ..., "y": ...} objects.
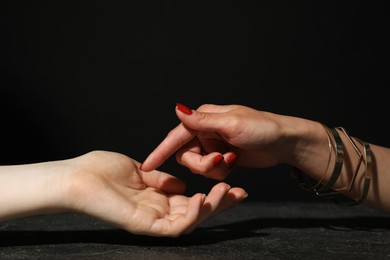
[
  {"x": 163, "y": 181},
  {"x": 211, "y": 120}
]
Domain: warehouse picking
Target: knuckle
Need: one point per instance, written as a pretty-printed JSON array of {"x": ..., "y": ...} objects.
[{"x": 204, "y": 108}]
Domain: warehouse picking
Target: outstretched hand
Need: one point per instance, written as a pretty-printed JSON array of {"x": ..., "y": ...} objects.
[{"x": 110, "y": 187}]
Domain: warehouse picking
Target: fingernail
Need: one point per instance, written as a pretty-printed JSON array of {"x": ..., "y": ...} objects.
[
  {"x": 231, "y": 160},
  {"x": 217, "y": 159},
  {"x": 184, "y": 109},
  {"x": 245, "y": 195}
]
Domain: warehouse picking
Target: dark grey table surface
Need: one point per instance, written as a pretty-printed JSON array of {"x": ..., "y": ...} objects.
[{"x": 253, "y": 230}]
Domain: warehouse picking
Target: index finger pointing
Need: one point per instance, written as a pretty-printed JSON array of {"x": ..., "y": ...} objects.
[{"x": 175, "y": 139}]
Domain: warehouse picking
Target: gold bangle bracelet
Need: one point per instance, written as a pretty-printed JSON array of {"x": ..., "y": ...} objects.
[
  {"x": 355, "y": 173},
  {"x": 368, "y": 172},
  {"x": 366, "y": 183},
  {"x": 303, "y": 180},
  {"x": 326, "y": 190},
  {"x": 338, "y": 163},
  {"x": 323, "y": 190}
]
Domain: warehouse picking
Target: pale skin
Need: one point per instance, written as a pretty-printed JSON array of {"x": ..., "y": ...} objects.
[
  {"x": 110, "y": 187},
  {"x": 251, "y": 138}
]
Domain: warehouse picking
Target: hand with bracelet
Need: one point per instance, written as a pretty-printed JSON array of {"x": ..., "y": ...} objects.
[
  {"x": 214, "y": 138},
  {"x": 110, "y": 187}
]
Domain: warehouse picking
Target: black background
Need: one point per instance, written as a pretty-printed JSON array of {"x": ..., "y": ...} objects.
[{"x": 76, "y": 77}]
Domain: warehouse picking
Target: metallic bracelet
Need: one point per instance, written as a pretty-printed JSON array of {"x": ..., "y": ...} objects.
[
  {"x": 327, "y": 190},
  {"x": 367, "y": 175},
  {"x": 338, "y": 163},
  {"x": 324, "y": 189},
  {"x": 348, "y": 187},
  {"x": 303, "y": 180}
]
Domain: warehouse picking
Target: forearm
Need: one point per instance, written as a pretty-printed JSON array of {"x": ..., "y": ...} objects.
[
  {"x": 379, "y": 193},
  {"x": 31, "y": 189},
  {"x": 314, "y": 157}
]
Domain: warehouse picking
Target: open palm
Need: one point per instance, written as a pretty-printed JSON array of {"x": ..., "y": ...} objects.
[{"x": 110, "y": 187}]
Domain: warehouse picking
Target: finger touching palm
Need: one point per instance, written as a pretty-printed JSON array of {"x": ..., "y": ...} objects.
[{"x": 110, "y": 187}]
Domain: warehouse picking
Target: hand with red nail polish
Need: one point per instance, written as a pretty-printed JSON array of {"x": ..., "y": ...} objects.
[
  {"x": 252, "y": 138},
  {"x": 242, "y": 135}
]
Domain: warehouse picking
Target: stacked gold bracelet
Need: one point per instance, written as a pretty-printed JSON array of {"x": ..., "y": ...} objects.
[{"x": 336, "y": 145}]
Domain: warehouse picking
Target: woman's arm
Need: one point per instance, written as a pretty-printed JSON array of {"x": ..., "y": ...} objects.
[
  {"x": 213, "y": 139},
  {"x": 109, "y": 186}
]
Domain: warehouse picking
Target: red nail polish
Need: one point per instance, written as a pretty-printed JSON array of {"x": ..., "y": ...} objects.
[
  {"x": 184, "y": 109},
  {"x": 217, "y": 159},
  {"x": 231, "y": 160}
]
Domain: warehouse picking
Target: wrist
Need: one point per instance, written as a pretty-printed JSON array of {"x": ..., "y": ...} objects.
[
  {"x": 309, "y": 151},
  {"x": 58, "y": 185}
]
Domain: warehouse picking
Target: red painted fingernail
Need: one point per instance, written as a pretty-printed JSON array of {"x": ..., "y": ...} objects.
[
  {"x": 184, "y": 109},
  {"x": 217, "y": 159},
  {"x": 231, "y": 160}
]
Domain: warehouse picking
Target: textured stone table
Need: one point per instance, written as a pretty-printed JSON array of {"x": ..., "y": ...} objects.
[{"x": 253, "y": 230}]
